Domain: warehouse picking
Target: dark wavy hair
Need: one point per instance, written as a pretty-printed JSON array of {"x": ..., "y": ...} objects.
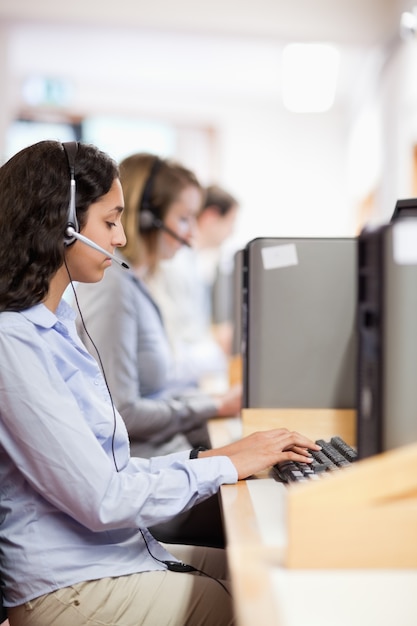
[{"x": 34, "y": 199}]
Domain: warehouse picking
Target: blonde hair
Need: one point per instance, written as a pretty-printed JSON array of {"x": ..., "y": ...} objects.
[{"x": 168, "y": 181}]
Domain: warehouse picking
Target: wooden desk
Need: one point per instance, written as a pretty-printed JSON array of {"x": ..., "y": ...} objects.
[{"x": 267, "y": 593}]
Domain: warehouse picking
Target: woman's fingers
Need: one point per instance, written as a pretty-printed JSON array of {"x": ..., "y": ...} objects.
[
  {"x": 292, "y": 439},
  {"x": 301, "y": 451}
]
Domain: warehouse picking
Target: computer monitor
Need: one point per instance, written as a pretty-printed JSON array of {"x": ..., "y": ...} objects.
[
  {"x": 299, "y": 323},
  {"x": 387, "y": 336}
]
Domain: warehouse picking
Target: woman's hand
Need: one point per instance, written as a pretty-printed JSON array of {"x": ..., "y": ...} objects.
[
  {"x": 264, "y": 449},
  {"x": 230, "y": 404}
]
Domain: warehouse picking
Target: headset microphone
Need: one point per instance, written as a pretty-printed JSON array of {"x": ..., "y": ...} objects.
[
  {"x": 148, "y": 220},
  {"x": 72, "y": 233}
]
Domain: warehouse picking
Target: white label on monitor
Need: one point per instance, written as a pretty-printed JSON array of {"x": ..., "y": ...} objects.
[
  {"x": 279, "y": 256},
  {"x": 404, "y": 242}
]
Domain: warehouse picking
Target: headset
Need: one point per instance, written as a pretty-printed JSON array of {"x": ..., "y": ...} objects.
[
  {"x": 72, "y": 228},
  {"x": 148, "y": 220}
]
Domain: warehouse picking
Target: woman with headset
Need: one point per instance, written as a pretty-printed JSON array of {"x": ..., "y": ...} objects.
[{"x": 75, "y": 507}]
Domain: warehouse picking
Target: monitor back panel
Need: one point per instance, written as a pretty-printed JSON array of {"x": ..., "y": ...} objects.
[
  {"x": 387, "y": 314},
  {"x": 299, "y": 323}
]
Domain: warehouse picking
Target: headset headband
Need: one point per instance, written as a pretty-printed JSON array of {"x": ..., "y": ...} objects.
[
  {"x": 146, "y": 203},
  {"x": 70, "y": 149}
]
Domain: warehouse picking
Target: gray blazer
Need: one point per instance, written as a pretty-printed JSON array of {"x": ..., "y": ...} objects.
[{"x": 162, "y": 414}]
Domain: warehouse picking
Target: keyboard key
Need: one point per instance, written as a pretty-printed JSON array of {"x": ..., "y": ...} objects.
[
  {"x": 323, "y": 459},
  {"x": 348, "y": 452},
  {"x": 332, "y": 453}
]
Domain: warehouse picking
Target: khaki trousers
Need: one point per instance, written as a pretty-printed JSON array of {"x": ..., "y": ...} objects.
[{"x": 150, "y": 598}]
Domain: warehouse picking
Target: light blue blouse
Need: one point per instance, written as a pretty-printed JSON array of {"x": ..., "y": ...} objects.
[{"x": 71, "y": 497}]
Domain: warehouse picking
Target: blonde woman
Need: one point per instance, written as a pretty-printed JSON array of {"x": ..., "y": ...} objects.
[{"x": 162, "y": 413}]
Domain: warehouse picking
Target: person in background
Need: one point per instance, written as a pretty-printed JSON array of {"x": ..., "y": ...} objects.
[
  {"x": 183, "y": 289},
  {"x": 163, "y": 412},
  {"x": 75, "y": 506}
]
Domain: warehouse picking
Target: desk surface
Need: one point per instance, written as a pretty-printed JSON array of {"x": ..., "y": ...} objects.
[{"x": 267, "y": 593}]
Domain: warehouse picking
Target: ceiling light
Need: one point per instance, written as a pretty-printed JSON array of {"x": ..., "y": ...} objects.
[{"x": 309, "y": 77}]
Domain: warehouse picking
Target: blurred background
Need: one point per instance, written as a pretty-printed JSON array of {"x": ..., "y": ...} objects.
[{"x": 306, "y": 110}]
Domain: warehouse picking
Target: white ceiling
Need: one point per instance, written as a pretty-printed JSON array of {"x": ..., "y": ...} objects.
[
  {"x": 359, "y": 22},
  {"x": 202, "y": 59},
  {"x": 366, "y": 30}
]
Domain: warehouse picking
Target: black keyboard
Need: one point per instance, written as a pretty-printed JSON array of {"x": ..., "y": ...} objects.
[{"x": 334, "y": 454}]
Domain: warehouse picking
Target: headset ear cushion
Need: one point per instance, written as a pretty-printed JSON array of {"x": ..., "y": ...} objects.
[
  {"x": 147, "y": 220},
  {"x": 69, "y": 237}
]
